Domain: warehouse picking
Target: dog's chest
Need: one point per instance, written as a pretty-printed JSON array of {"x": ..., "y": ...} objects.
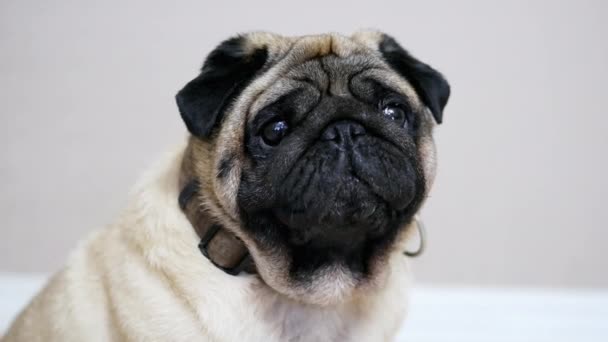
[
  {"x": 303, "y": 323},
  {"x": 281, "y": 319}
]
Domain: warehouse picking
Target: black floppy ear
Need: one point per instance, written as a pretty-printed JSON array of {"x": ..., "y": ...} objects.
[
  {"x": 430, "y": 85},
  {"x": 226, "y": 72}
]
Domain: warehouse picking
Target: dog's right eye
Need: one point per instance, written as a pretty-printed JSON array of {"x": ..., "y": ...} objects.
[{"x": 274, "y": 132}]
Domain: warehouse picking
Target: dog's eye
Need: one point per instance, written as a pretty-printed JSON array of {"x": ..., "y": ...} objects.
[
  {"x": 395, "y": 113},
  {"x": 274, "y": 132}
]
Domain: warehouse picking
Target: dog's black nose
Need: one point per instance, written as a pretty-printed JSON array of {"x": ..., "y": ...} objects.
[{"x": 343, "y": 132}]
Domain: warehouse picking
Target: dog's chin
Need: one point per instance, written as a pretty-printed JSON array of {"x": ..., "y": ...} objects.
[
  {"x": 329, "y": 286},
  {"x": 327, "y": 259},
  {"x": 328, "y": 269}
]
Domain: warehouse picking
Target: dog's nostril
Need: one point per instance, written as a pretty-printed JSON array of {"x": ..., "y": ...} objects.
[
  {"x": 329, "y": 134},
  {"x": 357, "y": 129},
  {"x": 343, "y": 131}
]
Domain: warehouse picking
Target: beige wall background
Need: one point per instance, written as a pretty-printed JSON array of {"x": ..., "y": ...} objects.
[{"x": 86, "y": 103}]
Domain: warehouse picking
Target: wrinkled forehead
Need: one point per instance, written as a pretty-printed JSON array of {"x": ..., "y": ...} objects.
[{"x": 330, "y": 64}]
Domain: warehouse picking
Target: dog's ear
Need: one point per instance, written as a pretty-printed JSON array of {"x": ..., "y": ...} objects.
[
  {"x": 430, "y": 85},
  {"x": 226, "y": 72}
]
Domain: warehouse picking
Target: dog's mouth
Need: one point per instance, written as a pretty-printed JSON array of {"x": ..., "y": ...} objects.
[
  {"x": 345, "y": 196},
  {"x": 318, "y": 232},
  {"x": 348, "y": 213}
]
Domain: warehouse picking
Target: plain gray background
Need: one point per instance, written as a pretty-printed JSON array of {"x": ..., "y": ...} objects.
[{"x": 86, "y": 104}]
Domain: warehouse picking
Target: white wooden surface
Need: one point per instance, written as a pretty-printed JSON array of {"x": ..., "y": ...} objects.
[
  {"x": 509, "y": 315},
  {"x": 446, "y": 314}
]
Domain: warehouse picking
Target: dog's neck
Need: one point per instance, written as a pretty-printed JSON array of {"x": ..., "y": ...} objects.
[{"x": 223, "y": 249}]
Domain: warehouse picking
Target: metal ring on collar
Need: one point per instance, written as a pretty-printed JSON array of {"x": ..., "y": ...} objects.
[{"x": 422, "y": 236}]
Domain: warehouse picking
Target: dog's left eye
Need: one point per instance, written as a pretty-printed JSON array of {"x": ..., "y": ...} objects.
[
  {"x": 274, "y": 132},
  {"x": 395, "y": 113}
]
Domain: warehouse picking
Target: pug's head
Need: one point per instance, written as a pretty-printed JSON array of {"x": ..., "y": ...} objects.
[{"x": 316, "y": 151}]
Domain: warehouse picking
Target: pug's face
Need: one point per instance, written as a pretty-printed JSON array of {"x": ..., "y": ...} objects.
[{"x": 317, "y": 152}]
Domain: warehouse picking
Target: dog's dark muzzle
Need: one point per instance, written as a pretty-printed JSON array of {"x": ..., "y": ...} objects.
[{"x": 348, "y": 185}]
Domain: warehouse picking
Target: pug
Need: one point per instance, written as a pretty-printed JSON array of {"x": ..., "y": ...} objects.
[{"x": 283, "y": 217}]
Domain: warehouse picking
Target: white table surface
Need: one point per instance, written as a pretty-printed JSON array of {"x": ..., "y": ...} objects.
[{"x": 446, "y": 314}]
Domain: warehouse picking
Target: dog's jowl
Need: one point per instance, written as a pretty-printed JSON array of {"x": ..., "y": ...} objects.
[{"x": 282, "y": 218}]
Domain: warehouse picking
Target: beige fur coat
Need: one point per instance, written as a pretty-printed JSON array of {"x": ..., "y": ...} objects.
[{"x": 143, "y": 278}]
